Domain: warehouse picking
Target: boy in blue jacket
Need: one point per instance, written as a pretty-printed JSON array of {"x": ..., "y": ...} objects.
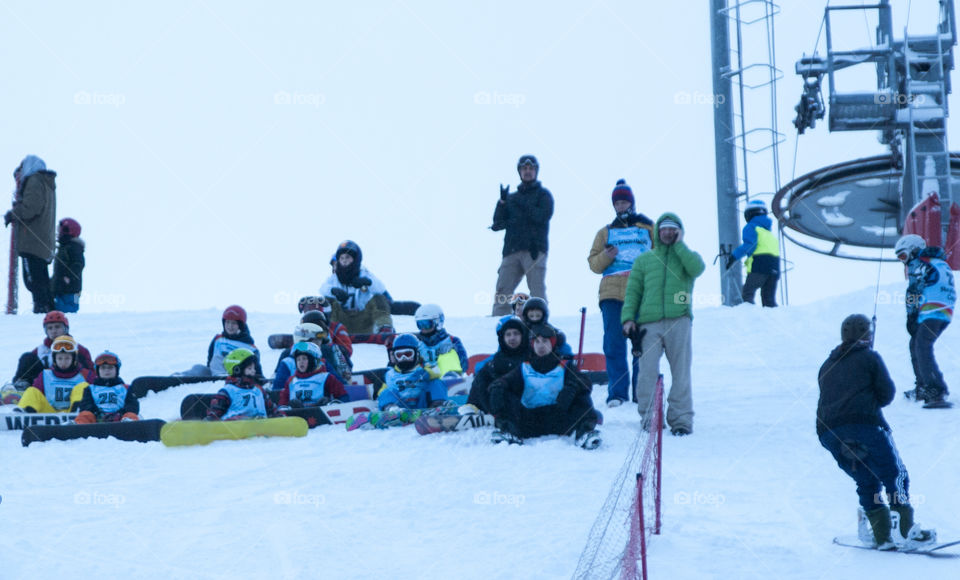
[{"x": 762, "y": 251}]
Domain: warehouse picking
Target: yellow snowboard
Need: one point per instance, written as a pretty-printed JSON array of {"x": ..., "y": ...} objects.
[{"x": 177, "y": 433}]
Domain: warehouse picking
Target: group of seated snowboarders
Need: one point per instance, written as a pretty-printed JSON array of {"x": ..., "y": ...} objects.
[{"x": 529, "y": 384}]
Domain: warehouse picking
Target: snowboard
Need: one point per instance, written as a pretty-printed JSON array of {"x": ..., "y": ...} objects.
[
  {"x": 443, "y": 423},
  {"x": 143, "y": 385},
  {"x": 195, "y": 407},
  {"x": 282, "y": 341},
  {"x": 181, "y": 433},
  {"x": 20, "y": 421},
  {"x": 933, "y": 551},
  {"x": 143, "y": 431},
  {"x": 382, "y": 419}
]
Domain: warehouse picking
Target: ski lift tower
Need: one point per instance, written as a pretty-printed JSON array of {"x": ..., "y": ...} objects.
[{"x": 860, "y": 206}]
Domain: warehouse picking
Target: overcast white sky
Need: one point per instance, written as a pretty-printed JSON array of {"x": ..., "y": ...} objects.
[{"x": 217, "y": 152}]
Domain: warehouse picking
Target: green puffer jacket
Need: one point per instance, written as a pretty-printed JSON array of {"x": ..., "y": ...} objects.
[{"x": 661, "y": 282}]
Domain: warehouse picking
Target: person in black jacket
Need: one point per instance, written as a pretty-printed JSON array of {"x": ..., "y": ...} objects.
[
  {"x": 68, "y": 266},
  {"x": 525, "y": 215},
  {"x": 854, "y": 386},
  {"x": 514, "y": 340},
  {"x": 543, "y": 396}
]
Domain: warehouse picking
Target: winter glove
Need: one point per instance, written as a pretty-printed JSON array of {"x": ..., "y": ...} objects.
[
  {"x": 296, "y": 404},
  {"x": 636, "y": 340},
  {"x": 504, "y": 192},
  {"x": 7, "y": 218},
  {"x": 730, "y": 260},
  {"x": 565, "y": 398},
  {"x": 362, "y": 283},
  {"x": 111, "y": 418},
  {"x": 340, "y": 294}
]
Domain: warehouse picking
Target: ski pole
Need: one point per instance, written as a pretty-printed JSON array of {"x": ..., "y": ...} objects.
[{"x": 583, "y": 321}]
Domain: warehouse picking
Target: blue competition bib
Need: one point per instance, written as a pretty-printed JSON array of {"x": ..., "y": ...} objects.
[
  {"x": 540, "y": 390},
  {"x": 246, "y": 403},
  {"x": 630, "y": 243}
]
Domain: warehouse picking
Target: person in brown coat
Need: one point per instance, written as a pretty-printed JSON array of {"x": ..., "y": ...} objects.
[{"x": 33, "y": 216}]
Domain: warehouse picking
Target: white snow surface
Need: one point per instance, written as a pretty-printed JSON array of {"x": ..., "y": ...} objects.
[{"x": 751, "y": 494}]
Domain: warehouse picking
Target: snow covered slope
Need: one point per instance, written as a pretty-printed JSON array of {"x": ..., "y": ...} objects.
[{"x": 749, "y": 495}]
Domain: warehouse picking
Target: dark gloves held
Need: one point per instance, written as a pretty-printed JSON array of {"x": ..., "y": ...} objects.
[
  {"x": 340, "y": 294},
  {"x": 504, "y": 192},
  {"x": 362, "y": 283},
  {"x": 636, "y": 340},
  {"x": 729, "y": 261}
]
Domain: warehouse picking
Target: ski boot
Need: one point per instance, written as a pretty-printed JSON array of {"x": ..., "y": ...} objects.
[
  {"x": 589, "y": 440},
  {"x": 910, "y": 533},
  {"x": 880, "y": 524},
  {"x": 500, "y": 436}
]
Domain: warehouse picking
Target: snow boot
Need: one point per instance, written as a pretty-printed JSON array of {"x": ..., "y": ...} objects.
[
  {"x": 880, "y": 524},
  {"x": 914, "y": 537},
  {"x": 500, "y": 436},
  {"x": 589, "y": 440}
]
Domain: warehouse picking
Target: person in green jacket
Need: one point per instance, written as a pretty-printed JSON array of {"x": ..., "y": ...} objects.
[{"x": 657, "y": 305}]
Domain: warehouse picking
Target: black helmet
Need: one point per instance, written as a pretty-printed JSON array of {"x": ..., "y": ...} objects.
[
  {"x": 536, "y": 303},
  {"x": 528, "y": 160},
  {"x": 855, "y": 328}
]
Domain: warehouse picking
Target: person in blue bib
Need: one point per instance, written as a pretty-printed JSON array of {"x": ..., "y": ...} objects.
[
  {"x": 108, "y": 399},
  {"x": 407, "y": 384},
  {"x": 242, "y": 396},
  {"x": 58, "y": 389},
  {"x": 543, "y": 396},
  {"x": 235, "y": 335},
  {"x": 930, "y": 299},
  {"x": 614, "y": 249},
  {"x": 440, "y": 352},
  {"x": 312, "y": 385},
  {"x": 762, "y": 251}
]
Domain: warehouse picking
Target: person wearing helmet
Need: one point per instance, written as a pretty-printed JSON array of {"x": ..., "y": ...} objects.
[
  {"x": 58, "y": 389},
  {"x": 242, "y": 396},
  {"x": 513, "y": 339},
  {"x": 614, "y": 249},
  {"x": 108, "y": 399},
  {"x": 68, "y": 266},
  {"x": 55, "y": 323},
  {"x": 930, "y": 299},
  {"x": 357, "y": 297},
  {"x": 331, "y": 357},
  {"x": 311, "y": 385},
  {"x": 440, "y": 353},
  {"x": 543, "y": 396},
  {"x": 535, "y": 312},
  {"x": 656, "y": 305},
  {"x": 235, "y": 335},
  {"x": 317, "y": 309},
  {"x": 34, "y": 220},
  {"x": 762, "y": 251},
  {"x": 407, "y": 384},
  {"x": 525, "y": 218},
  {"x": 854, "y": 387}
]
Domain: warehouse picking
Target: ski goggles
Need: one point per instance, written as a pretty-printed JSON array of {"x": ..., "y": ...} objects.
[
  {"x": 519, "y": 298},
  {"x": 107, "y": 358},
  {"x": 63, "y": 346},
  {"x": 405, "y": 354},
  {"x": 426, "y": 324}
]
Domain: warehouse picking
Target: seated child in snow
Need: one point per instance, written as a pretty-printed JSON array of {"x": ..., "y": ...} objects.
[
  {"x": 854, "y": 386},
  {"x": 409, "y": 385},
  {"x": 68, "y": 266},
  {"x": 108, "y": 398},
  {"x": 338, "y": 332},
  {"x": 235, "y": 335},
  {"x": 331, "y": 357},
  {"x": 58, "y": 389},
  {"x": 312, "y": 385},
  {"x": 242, "y": 397},
  {"x": 440, "y": 352},
  {"x": 55, "y": 324},
  {"x": 514, "y": 341},
  {"x": 357, "y": 297},
  {"x": 535, "y": 312}
]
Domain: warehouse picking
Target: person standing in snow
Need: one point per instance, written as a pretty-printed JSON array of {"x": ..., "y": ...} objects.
[
  {"x": 525, "y": 215},
  {"x": 762, "y": 250},
  {"x": 34, "y": 218},
  {"x": 854, "y": 386},
  {"x": 68, "y": 266},
  {"x": 615, "y": 247},
  {"x": 657, "y": 304},
  {"x": 930, "y": 299},
  {"x": 357, "y": 297}
]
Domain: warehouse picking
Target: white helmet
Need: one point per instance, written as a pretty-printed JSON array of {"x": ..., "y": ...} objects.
[
  {"x": 910, "y": 245},
  {"x": 308, "y": 331},
  {"x": 429, "y": 316}
]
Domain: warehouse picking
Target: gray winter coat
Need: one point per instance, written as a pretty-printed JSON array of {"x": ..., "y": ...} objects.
[{"x": 35, "y": 210}]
